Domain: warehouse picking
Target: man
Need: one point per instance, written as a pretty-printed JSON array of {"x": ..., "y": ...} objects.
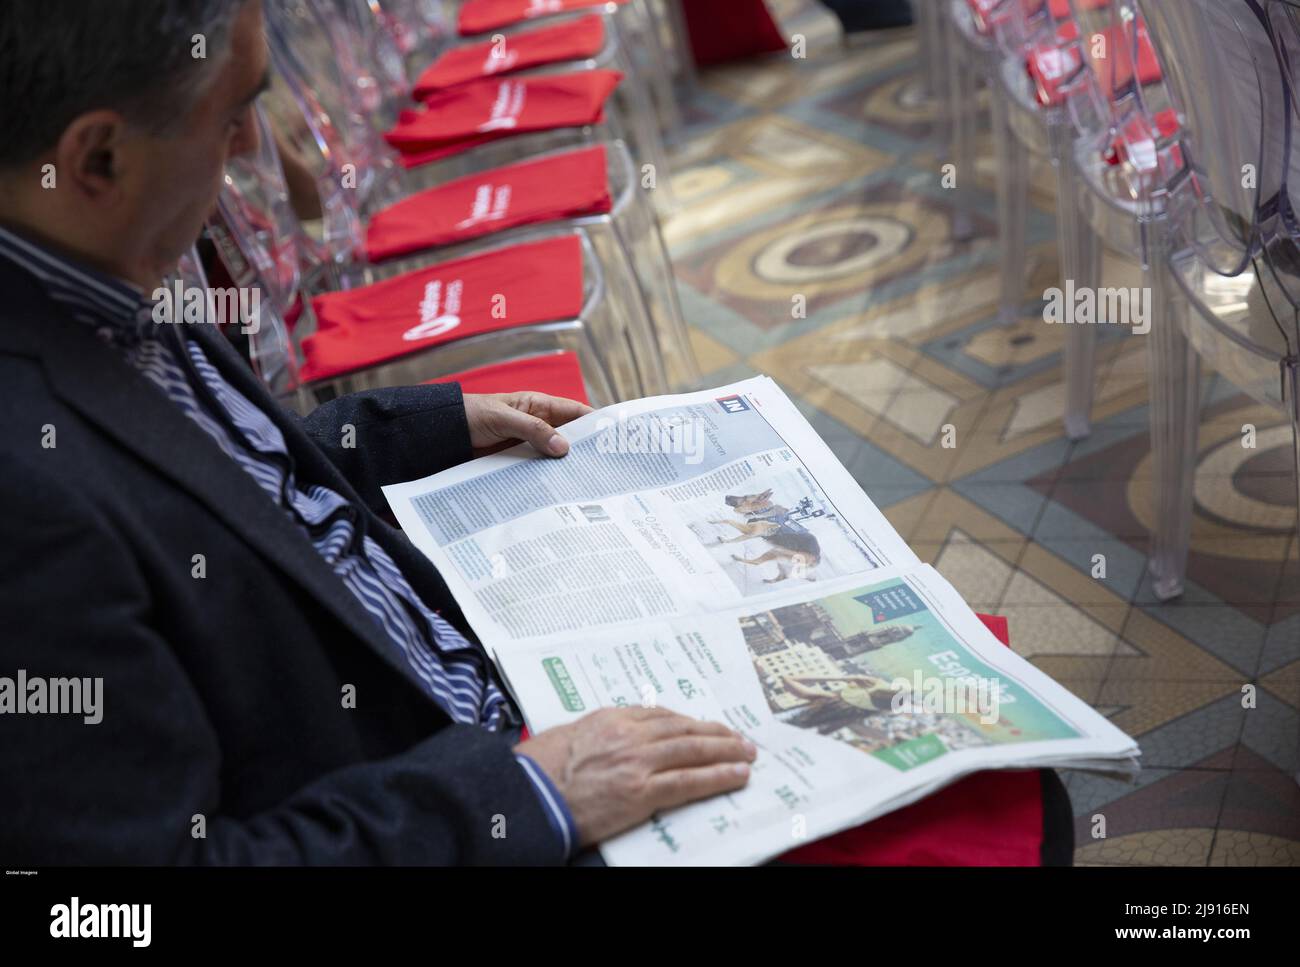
[{"x": 213, "y": 650}]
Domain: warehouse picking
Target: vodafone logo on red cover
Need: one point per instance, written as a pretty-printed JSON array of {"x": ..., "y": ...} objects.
[
  {"x": 490, "y": 205},
  {"x": 498, "y": 62},
  {"x": 507, "y": 107},
  {"x": 438, "y": 316}
]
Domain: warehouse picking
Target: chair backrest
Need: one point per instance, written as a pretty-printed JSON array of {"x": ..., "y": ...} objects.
[
  {"x": 262, "y": 244},
  {"x": 310, "y": 54},
  {"x": 255, "y": 203},
  {"x": 1227, "y": 173},
  {"x": 1018, "y": 25},
  {"x": 375, "y": 39},
  {"x": 1093, "y": 94},
  {"x": 1284, "y": 16},
  {"x": 328, "y": 43},
  {"x": 422, "y": 28},
  {"x": 1223, "y": 169},
  {"x": 304, "y": 127}
]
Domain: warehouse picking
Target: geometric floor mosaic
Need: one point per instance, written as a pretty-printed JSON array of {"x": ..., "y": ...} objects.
[{"x": 819, "y": 247}]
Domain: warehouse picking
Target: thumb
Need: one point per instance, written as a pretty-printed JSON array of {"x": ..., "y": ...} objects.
[{"x": 517, "y": 425}]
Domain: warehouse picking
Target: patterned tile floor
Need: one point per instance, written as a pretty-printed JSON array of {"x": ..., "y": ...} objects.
[{"x": 814, "y": 184}]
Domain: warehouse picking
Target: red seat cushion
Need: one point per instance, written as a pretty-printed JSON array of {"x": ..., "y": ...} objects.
[
  {"x": 1051, "y": 65},
  {"x": 488, "y": 109},
  {"x": 558, "y": 374},
  {"x": 1137, "y": 132},
  {"x": 562, "y": 186},
  {"x": 986, "y": 819},
  {"x": 477, "y": 16},
  {"x": 983, "y": 12},
  {"x": 725, "y": 30},
  {"x": 1115, "y": 71},
  {"x": 516, "y": 286},
  {"x": 570, "y": 40}
]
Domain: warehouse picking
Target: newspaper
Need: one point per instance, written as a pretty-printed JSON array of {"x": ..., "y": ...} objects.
[{"x": 707, "y": 553}]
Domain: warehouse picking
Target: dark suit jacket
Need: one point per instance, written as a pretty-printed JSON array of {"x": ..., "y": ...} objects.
[{"x": 222, "y": 695}]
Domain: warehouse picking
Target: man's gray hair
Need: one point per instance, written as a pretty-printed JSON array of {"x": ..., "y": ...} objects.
[{"x": 62, "y": 58}]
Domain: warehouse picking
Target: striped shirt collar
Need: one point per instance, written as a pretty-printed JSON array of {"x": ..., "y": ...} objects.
[{"x": 118, "y": 310}]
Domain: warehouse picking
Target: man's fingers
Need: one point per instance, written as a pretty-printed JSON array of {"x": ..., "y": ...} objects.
[
  {"x": 658, "y": 723},
  {"x": 644, "y": 712},
  {"x": 680, "y": 786},
  {"x": 560, "y": 410},
  {"x": 669, "y": 727},
  {"x": 513, "y": 424},
  {"x": 688, "y": 751}
]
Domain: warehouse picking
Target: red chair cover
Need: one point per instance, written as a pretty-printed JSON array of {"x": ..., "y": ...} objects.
[
  {"x": 724, "y": 30},
  {"x": 478, "y": 16},
  {"x": 558, "y": 374},
  {"x": 570, "y": 40},
  {"x": 488, "y": 109},
  {"x": 531, "y": 192},
  {"x": 515, "y": 286}
]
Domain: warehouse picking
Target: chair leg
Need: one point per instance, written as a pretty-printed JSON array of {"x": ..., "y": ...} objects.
[
  {"x": 1013, "y": 209},
  {"x": 653, "y": 268},
  {"x": 1175, "y": 377},
  {"x": 926, "y": 25},
  {"x": 645, "y": 32},
  {"x": 682, "y": 41},
  {"x": 1293, "y": 398},
  {"x": 962, "y": 105},
  {"x": 939, "y": 59},
  {"x": 1079, "y": 252}
]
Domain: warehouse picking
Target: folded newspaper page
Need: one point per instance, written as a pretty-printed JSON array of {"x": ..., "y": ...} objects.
[{"x": 707, "y": 553}]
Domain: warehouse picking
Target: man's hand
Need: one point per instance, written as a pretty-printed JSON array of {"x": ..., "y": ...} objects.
[
  {"x": 616, "y": 767},
  {"x": 501, "y": 419}
]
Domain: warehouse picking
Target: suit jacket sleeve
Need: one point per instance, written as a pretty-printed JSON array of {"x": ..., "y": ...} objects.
[
  {"x": 386, "y": 436},
  {"x": 131, "y": 789}
]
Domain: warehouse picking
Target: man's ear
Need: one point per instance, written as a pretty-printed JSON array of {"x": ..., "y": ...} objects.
[{"x": 88, "y": 157}]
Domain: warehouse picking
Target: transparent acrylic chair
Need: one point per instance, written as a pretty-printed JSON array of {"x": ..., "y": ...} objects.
[
  {"x": 638, "y": 270},
  {"x": 1221, "y": 240},
  {"x": 1114, "y": 161},
  {"x": 637, "y": 25},
  {"x": 1000, "y": 39},
  {"x": 641, "y": 286},
  {"x": 257, "y": 237},
  {"x": 935, "y": 40},
  {"x": 1122, "y": 112},
  {"x": 420, "y": 28},
  {"x": 376, "y": 40},
  {"x": 972, "y": 58},
  {"x": 992, "y": 40},
  {"x": 677, "y": 43},
  {"x": 312, "y": 41},
  {"x": 632, "y": 97}
]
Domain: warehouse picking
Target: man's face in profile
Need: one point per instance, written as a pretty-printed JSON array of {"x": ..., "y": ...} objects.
[{"x": 170, "y": 181}]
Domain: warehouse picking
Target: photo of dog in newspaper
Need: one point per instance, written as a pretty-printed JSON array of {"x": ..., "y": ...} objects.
[
  {"x": 774, "y": 528},
  {"x": 875, "y": 669}
]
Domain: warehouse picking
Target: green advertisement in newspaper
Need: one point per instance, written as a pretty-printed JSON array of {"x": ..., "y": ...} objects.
[{"x": 875, "y": 668}]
